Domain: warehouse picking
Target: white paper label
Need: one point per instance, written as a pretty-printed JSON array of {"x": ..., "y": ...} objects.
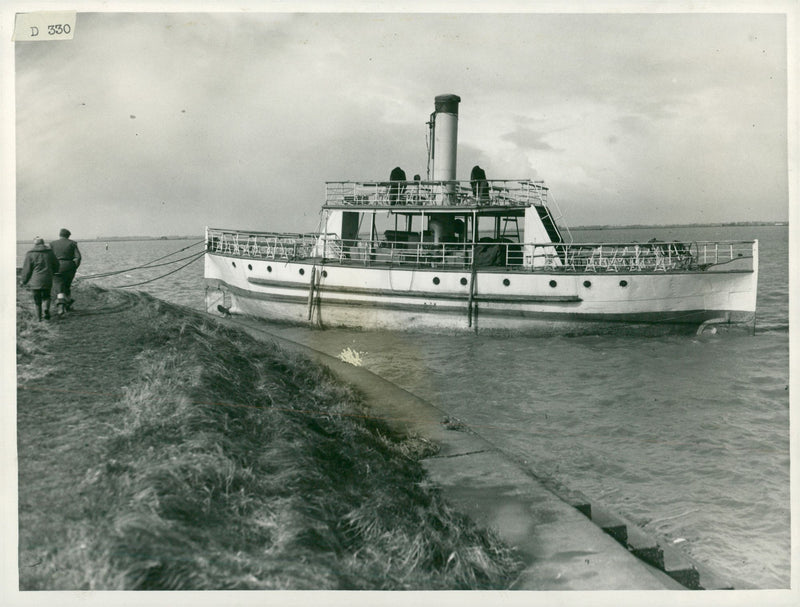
[{"x": 44, "y": 26}]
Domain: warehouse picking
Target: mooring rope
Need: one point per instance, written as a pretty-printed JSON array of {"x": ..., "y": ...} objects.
[
  {"x": 143, "y": 267},
  {"x": 144, "y": 282},
  {"x": 149, "y": 264}
]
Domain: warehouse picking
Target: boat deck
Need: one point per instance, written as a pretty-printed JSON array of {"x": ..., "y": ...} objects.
[
  {"x": 412, "y": 251},
  {"x": 435, "y": 195}
]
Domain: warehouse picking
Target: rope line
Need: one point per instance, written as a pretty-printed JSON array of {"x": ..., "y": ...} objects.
[
  {"x": 148, "y": 264},
  {"x": 194, "y": 244},
  {"x": 151, "y": 265},
  {"x": 144, "y": 282}
]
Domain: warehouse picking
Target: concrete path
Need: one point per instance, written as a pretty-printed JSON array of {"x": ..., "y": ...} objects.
[{"x": 562, "y": 548}]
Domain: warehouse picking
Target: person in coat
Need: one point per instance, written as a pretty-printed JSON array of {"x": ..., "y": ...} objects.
[
  {"x": 37, "y": 274},
  {"x": 480, "y": 186},
  {"x": 396, "y": 189},
  {"x": 69, "y": 258}
]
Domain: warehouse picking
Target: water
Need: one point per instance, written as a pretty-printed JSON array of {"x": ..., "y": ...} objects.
[{"x": 688, "y": 437}]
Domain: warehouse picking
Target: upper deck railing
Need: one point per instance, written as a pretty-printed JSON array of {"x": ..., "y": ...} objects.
[
  {"x": 492, "y": 192},
  {"x": 416, "y": 251}
]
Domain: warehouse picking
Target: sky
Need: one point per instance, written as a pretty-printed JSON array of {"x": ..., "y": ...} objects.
[{"x": 155, "y": 123}]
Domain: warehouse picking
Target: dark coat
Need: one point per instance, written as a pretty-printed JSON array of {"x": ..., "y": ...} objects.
[
  {"x": 477, "y": 178},
  {"x": 396, "y": 189},
  {"x": 39, "y": 267},
  {"x": 67, "y": 253}
]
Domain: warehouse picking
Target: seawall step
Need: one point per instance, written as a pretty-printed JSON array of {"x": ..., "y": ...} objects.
[
  {"x": 612, "y": 525},
  {"x": 671, "y": 560}
]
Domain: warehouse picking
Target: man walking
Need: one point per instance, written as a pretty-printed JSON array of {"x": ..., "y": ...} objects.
[
  {"x": 37, "y": 275},
  {"x": 69, "y": 258}
]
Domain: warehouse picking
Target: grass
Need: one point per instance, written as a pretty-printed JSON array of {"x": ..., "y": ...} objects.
[
  {"x": 32, "y": 338},
  {"x": 219, "y": 462}
]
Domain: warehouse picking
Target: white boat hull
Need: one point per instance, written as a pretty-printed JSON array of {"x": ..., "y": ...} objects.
[{"x": 439, "y": 299}]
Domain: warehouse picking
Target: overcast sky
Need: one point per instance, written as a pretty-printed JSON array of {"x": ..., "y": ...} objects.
[{"x": 156, "y": 124}]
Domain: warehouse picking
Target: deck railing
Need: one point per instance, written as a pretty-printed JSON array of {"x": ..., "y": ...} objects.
[
  {"x": 261, "y": 245},
  {"x": 494, "y": 192},
  {"x": 412, "y": 252}
]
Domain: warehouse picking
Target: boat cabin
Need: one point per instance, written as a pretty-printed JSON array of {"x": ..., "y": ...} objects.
[{"x": 445, "y": 222}]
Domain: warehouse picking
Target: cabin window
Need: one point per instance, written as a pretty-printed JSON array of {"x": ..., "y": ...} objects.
[
  {"x": 623, "y": 283},
  {"x": 436, "y": 280},
  {"x": 324, "y": 273},
  {"x": 233, "y": 263},
  {"x": 587, "y": 283},
  {"x": 249, "y": 266},
  {"x": 506, "y": 281},
  {"x": 463, "y": 281},
  {"x": 302, "y": 271},
  {"x": 269, "y": 268},
  {"x": 553, "y": 283}
]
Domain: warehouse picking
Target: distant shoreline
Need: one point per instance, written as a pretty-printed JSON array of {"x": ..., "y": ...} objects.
[
  {"x": 127, "y": 238},
  {"x": 736, "y": 224}
]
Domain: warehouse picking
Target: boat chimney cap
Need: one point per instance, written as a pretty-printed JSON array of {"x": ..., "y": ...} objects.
[{"x": 447, "y": 103}]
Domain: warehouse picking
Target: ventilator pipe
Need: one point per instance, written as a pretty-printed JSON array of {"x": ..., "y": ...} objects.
[{"x": 443, "y": 228}]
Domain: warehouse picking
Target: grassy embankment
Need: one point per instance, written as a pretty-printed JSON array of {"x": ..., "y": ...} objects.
[{"x": 160, "y": 450}]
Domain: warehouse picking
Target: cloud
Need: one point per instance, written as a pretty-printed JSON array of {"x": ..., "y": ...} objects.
[
  {"x": 528, "y": 139},
  {"x": 239, "y": 119}
]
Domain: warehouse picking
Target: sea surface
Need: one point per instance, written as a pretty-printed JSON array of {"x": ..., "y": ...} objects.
[{"x": 685, "y": 436}]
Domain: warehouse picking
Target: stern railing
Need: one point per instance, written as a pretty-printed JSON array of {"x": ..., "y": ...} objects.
[{"x": 261, "y": 245}]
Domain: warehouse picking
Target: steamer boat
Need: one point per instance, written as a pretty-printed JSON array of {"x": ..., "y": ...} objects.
[{"x": 444, "y": 254}]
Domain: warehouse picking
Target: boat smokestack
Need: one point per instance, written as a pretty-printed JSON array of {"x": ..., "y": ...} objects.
[{"x": 444, "y": 137}]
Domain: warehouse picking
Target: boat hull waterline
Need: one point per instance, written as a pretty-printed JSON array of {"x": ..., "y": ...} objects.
[{"x": 438, "y": 299}]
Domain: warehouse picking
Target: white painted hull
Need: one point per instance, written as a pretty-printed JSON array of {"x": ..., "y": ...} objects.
[{"x": 439, "y": 299}]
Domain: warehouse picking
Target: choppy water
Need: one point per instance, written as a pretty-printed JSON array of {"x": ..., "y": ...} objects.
[{"x": 687, "y": 437}]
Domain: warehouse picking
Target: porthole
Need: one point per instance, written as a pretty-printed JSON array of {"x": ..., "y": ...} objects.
[
  {"x": 324, "y": 273},
  {"x": 249, "y": 266},
  {"x": 269, "y": 268},
  {"x": 553, "y": 283},
  {"x": 623, "y": 283},
  {"x": 302, "y": 271},
  {"x": 233, "y": 263},
  {"x": 436, "y": 280},
  {"x": 464, "y": 281},
  {"x": 506, "y": 281},
  {"x": 587, "y": 283}
]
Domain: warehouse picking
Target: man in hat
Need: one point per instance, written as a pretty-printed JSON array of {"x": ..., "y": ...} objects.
[
  {"x": 37, "y": 274},
  {"x": 69, "y": 258}
]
